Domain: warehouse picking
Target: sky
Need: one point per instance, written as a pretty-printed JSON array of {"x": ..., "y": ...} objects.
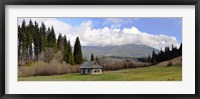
[{"x": 154, "y": 32}]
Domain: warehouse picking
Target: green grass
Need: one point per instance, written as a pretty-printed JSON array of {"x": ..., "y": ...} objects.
[{"x": 153, "y": 73}]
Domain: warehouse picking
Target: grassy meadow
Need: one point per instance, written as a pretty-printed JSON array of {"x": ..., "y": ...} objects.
[{"x": 152, "y": 73}]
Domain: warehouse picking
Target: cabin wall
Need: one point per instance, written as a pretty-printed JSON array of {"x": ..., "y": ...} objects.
[
  {"x": 91, "y": 71},
  {"x": 86, "y": 71},
  {"x": 96, "y": 71}
]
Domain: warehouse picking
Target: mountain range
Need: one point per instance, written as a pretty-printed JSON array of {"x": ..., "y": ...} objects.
[{"x": 128, "y": 50}]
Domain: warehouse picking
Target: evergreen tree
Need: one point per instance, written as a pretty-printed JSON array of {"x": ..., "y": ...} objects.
[
  {"x": 158, "y": 56},
  {"x": 70, "y": 54},
  {"x": 51, "y": 38},
  {"x": 19, "y": 43},
  {"x": 65, "y": 42},
  {"x": 60, "y": 43},
  {"x": 172, "y": 52},
  {"x": 92, "y": 57},
  {"x": 78, "y": 59},
  {"x": 167, "y": 53},
  {"x": 30, "y": 32},
  {"x": 180, "y": 50},
  {"x": 175, "y": 52},
  {"x": 36, "y": 41},
  {"x": 153, "y": 60},
  {"x": 53, "y": 35},
  {"x": 23, "y": 37},
  {"x": 161, "y": 56},
  {"x": 43, "y": 41},
  {"x": 65, "y": 56}
]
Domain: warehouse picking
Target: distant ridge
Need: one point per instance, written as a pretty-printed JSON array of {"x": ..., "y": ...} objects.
[{"x": 128, "y": 50}]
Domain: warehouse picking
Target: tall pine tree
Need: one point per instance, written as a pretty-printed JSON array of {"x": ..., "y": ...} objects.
[
  {"x": 60, "y": 43},
  {"x": 70, "y": 54},
  {"x": 51, "y": 37},
  {"x": 19, "y": 43},
  {"x": 43, "y": 41},
  {"x": 36, "y": 41},
  {"x": 66, "y": 55},
  {"x": 30, "y": 32},
  {"x": 78, "y": 59},
  {"x": 24, "y": 41}
]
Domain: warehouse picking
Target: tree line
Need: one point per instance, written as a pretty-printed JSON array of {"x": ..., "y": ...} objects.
[
  {"x": 39, "y": 43},
  {"x": 161, "y": 56}
]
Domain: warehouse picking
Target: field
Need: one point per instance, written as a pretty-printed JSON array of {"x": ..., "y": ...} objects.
[{"x": 153, "y": 73}]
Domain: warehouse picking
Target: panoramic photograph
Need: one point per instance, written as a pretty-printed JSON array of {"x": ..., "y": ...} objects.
[{"x": 99, "y": 49}]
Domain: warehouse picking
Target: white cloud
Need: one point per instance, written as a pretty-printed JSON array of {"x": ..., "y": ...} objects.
[{"x": 107, "y": 36}]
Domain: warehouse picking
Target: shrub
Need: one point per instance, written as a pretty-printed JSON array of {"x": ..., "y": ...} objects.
[
  {"x": 48, "y": 54},
  {"x": 25, "y": 71},
  {"x": 28, "y": 63},
  {"x": 170, "y": 63},
  {"x": 58, "y": 56},
  {"x": 123, "y": 65},
  {"x": 42, "y": 68}
]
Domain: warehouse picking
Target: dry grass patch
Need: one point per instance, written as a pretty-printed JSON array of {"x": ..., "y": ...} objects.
[{"x": 175, "y": 61}]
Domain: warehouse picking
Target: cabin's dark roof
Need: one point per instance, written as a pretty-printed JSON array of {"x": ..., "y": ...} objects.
[{"x": 90, "y": 64}]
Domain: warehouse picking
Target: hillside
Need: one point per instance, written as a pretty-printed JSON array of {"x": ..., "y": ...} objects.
[
  {"x": 128, "y": 50},
  {"x": 175, "y": 61}
]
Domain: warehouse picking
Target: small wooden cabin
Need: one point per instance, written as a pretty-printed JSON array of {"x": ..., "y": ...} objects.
[{"x": 91, "y": 67}]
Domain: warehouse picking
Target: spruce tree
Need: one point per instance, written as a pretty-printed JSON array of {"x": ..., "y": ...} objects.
[
  {"x": 24, "y": 40},
  {"x": 60, "y": 43},
  {"x": 161, "y": 55},
  {"x": 53, "y": 36},
  {"x": 180, "y": 50},
  {"x": 92, "y": 57},
  {"x": 19, "y": 43},
  {"x": 49, "y": 37},
  {"x": 65, "y": 56},
  {"x": 36, "y": 41},
  {"x": 70, "y": 54},
  {"x": 43, "y": 33},
  {"x": 167, "y": 53},
  {"x": 175, "y": 52},
  {"x": 30, "y": 32},
  {"x": 153, "y": 59},
  {"x": 78, "y": 59}
]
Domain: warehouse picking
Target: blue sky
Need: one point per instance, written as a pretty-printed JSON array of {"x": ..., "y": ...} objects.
[{"x": 156, "y": 26}]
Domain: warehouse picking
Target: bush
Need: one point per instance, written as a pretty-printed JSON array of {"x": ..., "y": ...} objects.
[
  {"x": 28, "y": 63},
  {"x": 170, "y": 63},
  {"x": 42, "y": 68},
  {"x": 25, "y": 71},
  {"x": 123, "y": 65},
  {"x": 58, "y": 56}
]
